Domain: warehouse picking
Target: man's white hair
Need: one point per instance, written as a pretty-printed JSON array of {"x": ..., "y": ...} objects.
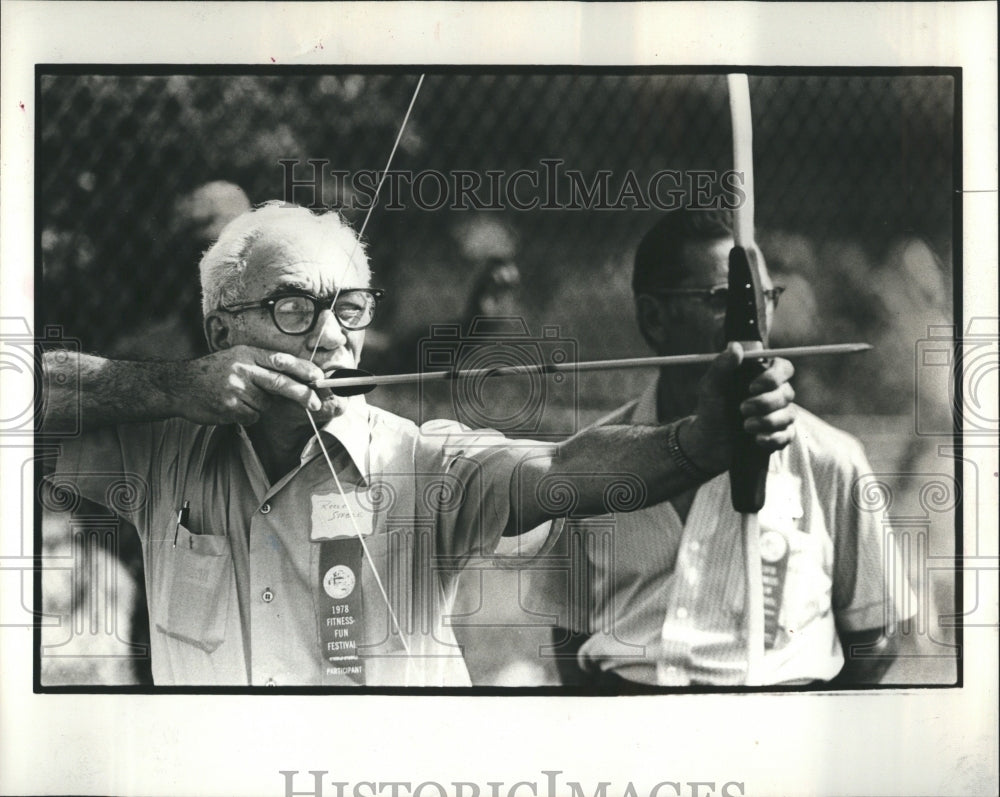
[{"x": 312, "y": 235}]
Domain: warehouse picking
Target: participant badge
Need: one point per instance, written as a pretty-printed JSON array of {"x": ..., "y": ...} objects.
[
  {"x": 774, "y": 565},
  {"x": 341, "y": 611}
]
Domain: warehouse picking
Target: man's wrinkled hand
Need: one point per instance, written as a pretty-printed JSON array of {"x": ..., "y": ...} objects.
[
  {"x": 236, "y": 385},
  {"x": 768, "y": 412}
]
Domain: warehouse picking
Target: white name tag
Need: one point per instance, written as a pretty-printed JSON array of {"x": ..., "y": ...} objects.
[{"x": 335, "y": 515}]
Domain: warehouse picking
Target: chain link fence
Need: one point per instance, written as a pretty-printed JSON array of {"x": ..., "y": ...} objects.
[
  {"x": 848, "y": 167},
  {"x": 854, "y": 192}
]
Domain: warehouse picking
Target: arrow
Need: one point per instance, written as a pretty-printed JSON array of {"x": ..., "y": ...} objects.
[{"x": 352, "y": 381}]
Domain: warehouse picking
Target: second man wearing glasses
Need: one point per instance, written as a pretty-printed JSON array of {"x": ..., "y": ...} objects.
[{"x": 667, "y": 590}]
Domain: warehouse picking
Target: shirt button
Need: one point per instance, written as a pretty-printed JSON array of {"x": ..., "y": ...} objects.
[
  {"x": 265, "y": 509},
  {"x": 682, "y": 613},
  {"x": 270, "y": 682},
  {"x": 694, "y": 545},
  {"x": 267, "y": 596}
]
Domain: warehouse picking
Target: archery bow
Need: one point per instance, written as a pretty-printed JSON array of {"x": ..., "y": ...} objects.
[{"x": 746, "y": 322}]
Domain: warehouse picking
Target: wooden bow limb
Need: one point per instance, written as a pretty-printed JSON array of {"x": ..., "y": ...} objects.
[{"x": 746, "y": 321}]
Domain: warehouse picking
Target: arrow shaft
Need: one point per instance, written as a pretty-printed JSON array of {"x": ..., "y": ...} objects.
[{"x": 592, "y": 365}]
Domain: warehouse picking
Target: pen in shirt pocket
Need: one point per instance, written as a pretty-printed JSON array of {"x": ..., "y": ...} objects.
[{"x": 182, "y": 520}]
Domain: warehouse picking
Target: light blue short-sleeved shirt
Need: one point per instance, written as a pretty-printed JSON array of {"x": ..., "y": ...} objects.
[
  {"x": 666, "y": 604},
  {"x": 235, "y": 593}
]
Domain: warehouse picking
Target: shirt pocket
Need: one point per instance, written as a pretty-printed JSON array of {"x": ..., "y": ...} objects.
[{"x": 195, "y": 588}]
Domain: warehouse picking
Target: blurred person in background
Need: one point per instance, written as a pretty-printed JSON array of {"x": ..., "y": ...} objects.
[
  {"x": 802, "y": 320},
  {"x": 792, "y": 264},
  {"x": 261, "y": 568},
  {"x": 911, "y": 286},
  {"x": 484, "y": 250},
  {"x": 198, "y": 218},
  {"x": 666, "y": 603},
  {"x": 488, "y": 248}
]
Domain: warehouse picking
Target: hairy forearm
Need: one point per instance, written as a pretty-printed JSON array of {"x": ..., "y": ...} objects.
[
  {"x": 641, "y": 452},
  {"x": 636, "y": 457},
  {"x": 653, "y": 463},
  {"x": 233, "y": 385},
  {"x": 87, "y": 392}
]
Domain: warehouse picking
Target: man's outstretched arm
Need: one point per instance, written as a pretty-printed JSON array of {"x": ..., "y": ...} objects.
[
  {"x": 650, "y": 452},
  {"x": 233, "y": 385}
]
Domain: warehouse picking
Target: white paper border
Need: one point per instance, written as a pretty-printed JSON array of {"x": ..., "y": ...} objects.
[{"x": 911, "y": 742}]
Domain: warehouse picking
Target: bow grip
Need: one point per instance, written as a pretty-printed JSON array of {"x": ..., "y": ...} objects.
[
  {"x": 748, "y": 470},
  {"x": 746, "y": 322}
]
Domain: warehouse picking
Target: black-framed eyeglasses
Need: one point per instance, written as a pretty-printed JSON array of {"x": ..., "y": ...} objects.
[
  {"x": 716, "y": 297},
  {"x": 296, "y": 313}
]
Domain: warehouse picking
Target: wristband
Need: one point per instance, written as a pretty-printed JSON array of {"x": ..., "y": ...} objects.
[{"x": 683, "y": 462}]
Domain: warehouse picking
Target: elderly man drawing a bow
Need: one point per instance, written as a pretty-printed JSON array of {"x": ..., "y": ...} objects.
[{"x": 292, "y": 536}]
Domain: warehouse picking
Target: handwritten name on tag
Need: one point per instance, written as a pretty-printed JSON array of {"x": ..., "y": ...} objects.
[{"x": 335, "y": 515}]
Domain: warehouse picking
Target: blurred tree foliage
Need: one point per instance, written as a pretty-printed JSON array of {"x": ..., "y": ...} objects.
[{"x": 847, "y": 167}]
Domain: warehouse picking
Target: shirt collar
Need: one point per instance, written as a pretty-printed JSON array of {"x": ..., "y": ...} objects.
[{"x": 350, "y": 429}]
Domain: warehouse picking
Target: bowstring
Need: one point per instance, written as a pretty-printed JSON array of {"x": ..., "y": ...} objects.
[
  {"x": 368, "y": 215},
  {"x": 312, "y": 357},
  {"x": 361, "y": 537}
]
